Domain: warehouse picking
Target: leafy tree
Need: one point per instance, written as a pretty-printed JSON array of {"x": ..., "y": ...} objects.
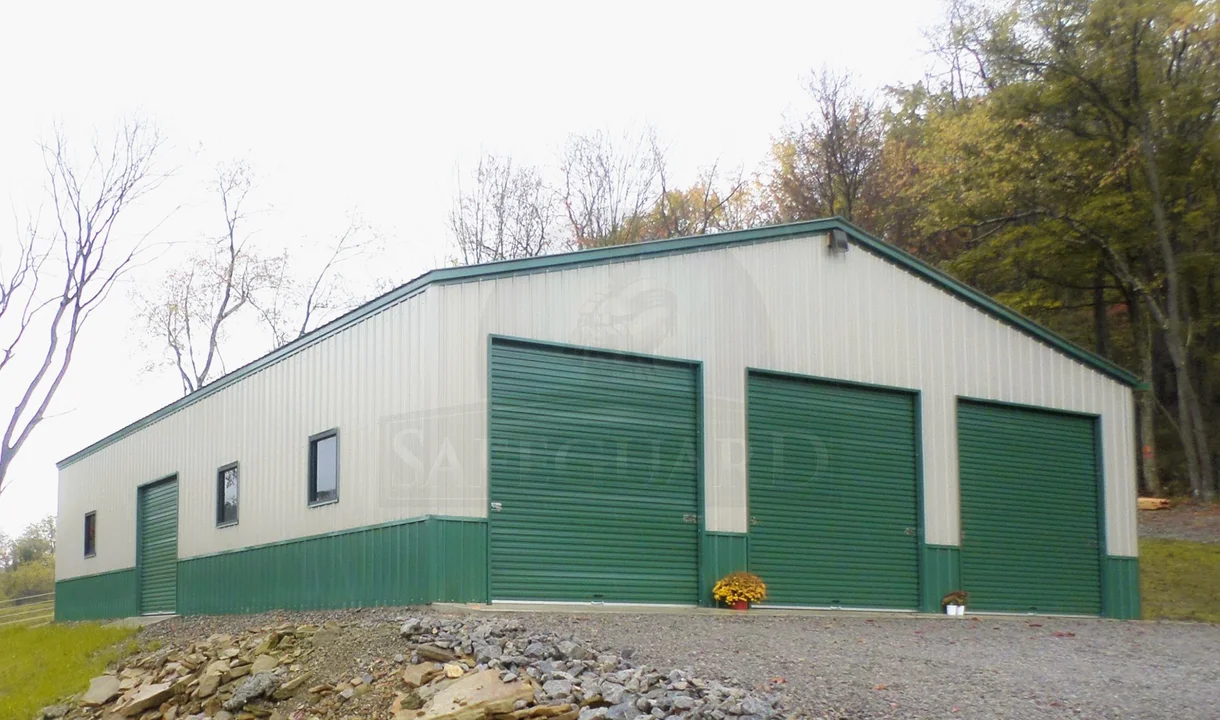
[{"x": 1069, "y": 165}]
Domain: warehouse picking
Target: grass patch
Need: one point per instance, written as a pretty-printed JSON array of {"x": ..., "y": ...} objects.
[
  {"x": 41, "y": 665},
  {"x": 1180, "y": 580}
]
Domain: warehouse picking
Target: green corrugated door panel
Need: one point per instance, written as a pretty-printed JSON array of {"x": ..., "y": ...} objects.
[
  {"x": 594, "y": 466},
  {"x": 833, "y": 493},
  {"x": 1029, "y": 504},
  {"x": 157, "y": 557}
]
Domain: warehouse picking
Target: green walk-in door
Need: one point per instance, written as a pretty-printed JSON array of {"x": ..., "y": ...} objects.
[{"x": 157, "y": 547}]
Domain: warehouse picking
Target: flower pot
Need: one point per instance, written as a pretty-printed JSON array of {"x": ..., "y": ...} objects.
[{"x": 741, "y": 605}]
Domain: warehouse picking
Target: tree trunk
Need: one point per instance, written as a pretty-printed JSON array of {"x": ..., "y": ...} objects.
[
  {"x": 1190, "y": 415},
  {"x": 1101, "y": 321},
  {"x": 1146, "y": 399}
]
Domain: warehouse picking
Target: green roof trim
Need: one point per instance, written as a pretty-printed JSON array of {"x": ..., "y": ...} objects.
[{"x": 619, "y": 253}]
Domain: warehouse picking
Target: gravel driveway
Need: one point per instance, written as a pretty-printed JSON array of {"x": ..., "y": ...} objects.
[
  {"x": 993, "y": 667},
  {"x": 844, "y": 666}
]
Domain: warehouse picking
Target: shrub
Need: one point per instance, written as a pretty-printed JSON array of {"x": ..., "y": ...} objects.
[{"x": 740, "y": 587}]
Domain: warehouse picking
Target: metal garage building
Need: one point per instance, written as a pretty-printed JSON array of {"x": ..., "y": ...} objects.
[{"x": 626, "y": 425}]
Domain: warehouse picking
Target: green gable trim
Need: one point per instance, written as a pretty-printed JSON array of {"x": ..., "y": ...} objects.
[
  {"x": 620, "y": 253},
  {"x": 94, "y": 597}
]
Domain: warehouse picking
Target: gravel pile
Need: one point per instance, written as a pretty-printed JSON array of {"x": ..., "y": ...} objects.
[{"x": 828, "y": 666}]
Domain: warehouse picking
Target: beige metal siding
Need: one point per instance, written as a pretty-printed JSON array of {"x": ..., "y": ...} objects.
[
  {"x": 359, "y": 380},
  {"x": 407, "y": 387},
  {"x": 788, "y": 306}
]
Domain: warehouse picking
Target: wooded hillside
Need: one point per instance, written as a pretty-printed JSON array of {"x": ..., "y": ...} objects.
[{"x": 1063, "y": 159}]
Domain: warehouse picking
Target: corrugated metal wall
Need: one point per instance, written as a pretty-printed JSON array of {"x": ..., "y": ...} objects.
[
  {"x": 793, "y": 307},
  {"x": 407, "y": 388},
  {"x": 361, "y": 381}
]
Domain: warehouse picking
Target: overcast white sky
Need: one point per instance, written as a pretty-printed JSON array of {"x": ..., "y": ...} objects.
[{"x": 375, "y": 106}]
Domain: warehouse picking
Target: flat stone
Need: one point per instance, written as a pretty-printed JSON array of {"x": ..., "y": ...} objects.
[
  {"x": 149, "y": 696},
  {"x": 557, "y": 688},
  {"x": 419, "y": 674},
  {"x": 264, "y": 663},
  {"x": 454, "y": 670},
  {"x": 287, "y": 689},
  {"x": 268, "y": 644},
  {"x": 207, "y": 685},
  {"x": 54, "y": 712},
  {"x": 435, "y": 654},
  {"x": 219, "y": 667},
  {"x": 102, "y": 690},
  {"x": 477, "y": 695}
]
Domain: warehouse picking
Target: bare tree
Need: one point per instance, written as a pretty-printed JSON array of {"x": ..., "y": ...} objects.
[
  {"x": 197, "y": 299},
  {"x": 297, "y": 301},
  {"x": 508, "y": 213},
  {"x": 610, "y": 185},
  {"x": 193, "y": 309},
  {"x": 60, "y": 277}
]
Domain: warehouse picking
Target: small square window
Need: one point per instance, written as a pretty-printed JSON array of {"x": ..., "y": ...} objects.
[
  {"x": 90, "y": 534},
  {"x": 226, "y": 495},
  {"x": 324, "y": 468}
]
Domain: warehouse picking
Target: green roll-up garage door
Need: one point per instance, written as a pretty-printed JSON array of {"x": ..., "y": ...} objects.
[
  {"x": 157, "y": 552},
  {"x": 833, "y": 493},
  {"x": 594, "y": 471},
  {"x": 1029, "y": 495}
]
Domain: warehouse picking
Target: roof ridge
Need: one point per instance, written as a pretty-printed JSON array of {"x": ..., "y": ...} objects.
[{"x": 595, "y": 256}]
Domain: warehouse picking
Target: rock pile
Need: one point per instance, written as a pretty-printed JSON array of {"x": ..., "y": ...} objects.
[
  {"x": 449, "y": 668},
  {"x": 570, "y": 681},
  {"x": 221, "y": 677}
]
